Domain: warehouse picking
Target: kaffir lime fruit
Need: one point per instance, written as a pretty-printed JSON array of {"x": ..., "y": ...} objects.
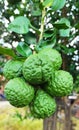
[
  {"x": 18, "y": 92},
  {"x": 37, "y": 69},
  {"x": 62, "y": 85},
  {"x": 54, "y": 56},
  {"x": 43, "y": 105},
  {"x": 12, "y": 69}
]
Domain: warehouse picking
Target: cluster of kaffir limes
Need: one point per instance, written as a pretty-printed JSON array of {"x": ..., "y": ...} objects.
[{"x": 36, "y": 81}]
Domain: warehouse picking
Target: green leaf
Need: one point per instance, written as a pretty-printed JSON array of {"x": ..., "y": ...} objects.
[
  {"x": 48, "y": 34},
  {"x": 23, "y": 49},
  {"x": 7, "y": 51},
  {"x": 63, "y": 23},
  {"x": 30, "y": 38},
  {"x": 64, "y": 32},
  {"x": 58, "y": 4},
  {"x": 50, "y": 39},
  {"x": 67, "y": 50},
  {"x": 47, "y": 3},
  {"x": 20, "y": 25},
  {"x": 45, "y": 44},
  {"x": 77, "y": 25}
]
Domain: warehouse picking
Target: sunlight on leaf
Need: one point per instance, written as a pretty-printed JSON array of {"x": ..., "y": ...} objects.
[
  {"x": 58, "y": 4},
  {"x": 20, "y": 25}
]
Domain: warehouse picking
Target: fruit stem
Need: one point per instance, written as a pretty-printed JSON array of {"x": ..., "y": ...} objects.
[{"x": 42, "y": 22}]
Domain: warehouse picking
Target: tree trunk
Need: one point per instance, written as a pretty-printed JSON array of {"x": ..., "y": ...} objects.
[
  {"x": 50, "y": 123},
  {"x": 67, "y": 116},
  {"x": 56, "y": 122}
]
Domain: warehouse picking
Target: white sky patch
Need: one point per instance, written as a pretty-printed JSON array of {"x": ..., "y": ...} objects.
[
  {"x": 7, "y": 45},
  {"x": 73, "y": 8},
  {"x": 68, "y": 14},
  {"x": 75, "y": 40},
  {"x": 50, "y": 25},
  {"x": 5, "y": 7},
  {"x": 76, "y": 57},
  {"x": 48, "y": 15},
  {"x": 30, "y": 15},
  {"x": 23, "y": 1},
  {"x": 73, "y": 30},
  {"x": 1, "y": 41},
  {"x": 59, "y": 41},
  {"x": 52, "y": 13},
  {"x": 6, "y": 22},
  {"x": 25, "y": 15},
  {"x": 71, "y": 13},
  {"x": 67, "y": 5},
  {"x": 16, "y": 11},
  {"x": 11, "y": 18},
  {"x": 32, "y": 30},
  {"x": 14, "y": 44},
  {"x": 47, "y": 20},
  {"x": 76, "y": 52},
  {"x": 22, "y": 39},
  {"x": 73, "y": 17},
  {"x": 6, "y": 3},
  {"x": 5, "y": 34},
  {"x": 32, "y": 46},
  {"x": 76, "y": 63},
  {"x": 22, "y": 6},
  {"x": 77, "y": 67}
]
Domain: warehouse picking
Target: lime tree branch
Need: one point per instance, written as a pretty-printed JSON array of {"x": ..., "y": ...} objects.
[{"x": 42, "y": 22}]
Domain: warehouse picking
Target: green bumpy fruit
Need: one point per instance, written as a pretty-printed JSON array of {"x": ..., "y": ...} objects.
[
  {"x": 43, "y": 105},
  {"x": 54, "y": 56},
  {"x": 62, "y": 85},
  {"x": 18, "y": 92},
  {"x": 12, "y": 69},
  {"x": 37, "y": 69}
]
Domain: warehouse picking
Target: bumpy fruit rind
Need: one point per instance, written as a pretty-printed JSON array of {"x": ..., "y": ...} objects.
[
  {"x": 37, "y": 69},
  {"x": 62, "y": 85},
  {"x": 54, "y": 56},
  {"x": 12, "y": 69},
  {"x": 43, "y": 105},
  {"x": 18, "y": 92}
]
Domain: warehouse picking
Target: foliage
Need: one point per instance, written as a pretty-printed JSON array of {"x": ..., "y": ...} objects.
[
  {"x": 45, "y": 26},
  {"x": 38, "y": 69},
  {"x": 58, "y": 28},
  {"x": 17, "y": 27}
]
